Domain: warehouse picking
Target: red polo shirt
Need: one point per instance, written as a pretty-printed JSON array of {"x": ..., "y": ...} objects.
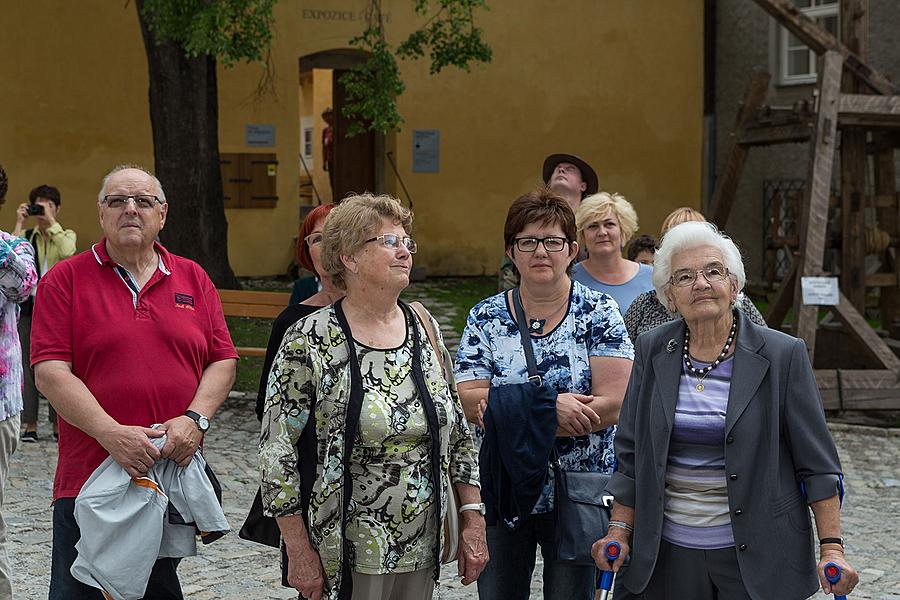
[{"x": 141, "y": 354}]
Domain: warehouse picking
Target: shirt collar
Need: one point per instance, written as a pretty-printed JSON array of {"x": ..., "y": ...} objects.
[{"x": 102, "y": 256}]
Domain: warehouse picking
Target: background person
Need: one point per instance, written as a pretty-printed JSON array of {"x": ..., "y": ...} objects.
[
  {"x": 569, "y": 177},
  {"x": 581, "y": 346},
  {"x": 412, "y": 441},
  {"x": 17, "y": 278},
  {"x": 733, "y": 412},
  {"x": 51, "y": 244},
  {"x": 309, "y": 255},
  {"x": 605, "y": 223},
  {"x": 641, "y": 249},
  {"x": 647, "y": 312},
  {"x": 124, "y": 336}
]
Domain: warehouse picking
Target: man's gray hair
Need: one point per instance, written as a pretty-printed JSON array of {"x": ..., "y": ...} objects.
[
  {"x": 159, "y": 190},
  {"x": 688, "y": 236}
]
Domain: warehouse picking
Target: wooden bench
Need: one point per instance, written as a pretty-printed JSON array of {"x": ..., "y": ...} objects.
[{"x": 265, "y": 305}]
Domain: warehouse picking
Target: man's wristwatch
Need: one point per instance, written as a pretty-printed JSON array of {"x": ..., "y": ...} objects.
[
  {"x": 479, "y": 507},
  {"x": 201, "y": 421},
  {"x": 832, "y": 540}
]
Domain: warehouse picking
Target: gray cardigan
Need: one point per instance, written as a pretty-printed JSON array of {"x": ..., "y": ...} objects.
[{"x": 779, "y": 456}]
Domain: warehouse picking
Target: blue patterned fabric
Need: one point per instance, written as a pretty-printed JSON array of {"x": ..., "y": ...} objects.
[{"x": 491, "y": 349}]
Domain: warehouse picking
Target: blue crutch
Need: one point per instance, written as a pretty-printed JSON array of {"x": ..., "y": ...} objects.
[{"x": 605, "y": 578}]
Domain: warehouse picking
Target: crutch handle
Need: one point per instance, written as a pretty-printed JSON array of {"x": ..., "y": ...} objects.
[{"x": 833, "y": 575}]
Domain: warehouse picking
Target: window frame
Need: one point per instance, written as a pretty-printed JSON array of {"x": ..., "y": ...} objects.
[{"x": 813, "y": 12}]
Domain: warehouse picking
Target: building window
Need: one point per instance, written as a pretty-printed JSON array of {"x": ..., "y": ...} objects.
[{"x": 798, "y": 62}]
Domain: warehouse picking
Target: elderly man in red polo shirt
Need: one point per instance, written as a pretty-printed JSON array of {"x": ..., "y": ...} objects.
[{"x": 126, "y": 335}]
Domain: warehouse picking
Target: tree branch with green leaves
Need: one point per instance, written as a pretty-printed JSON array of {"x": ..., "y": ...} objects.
[{"x": 449, "y": 37}]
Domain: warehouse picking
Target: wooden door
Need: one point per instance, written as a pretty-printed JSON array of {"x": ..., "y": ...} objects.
[{"x": 354, "y": 158}]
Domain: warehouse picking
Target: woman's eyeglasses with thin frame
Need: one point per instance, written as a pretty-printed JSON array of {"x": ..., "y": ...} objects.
[{"x": 393, "y": 241}]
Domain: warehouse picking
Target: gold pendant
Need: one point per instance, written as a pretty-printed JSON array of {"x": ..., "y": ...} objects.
[{"x": 699, "y": 387}]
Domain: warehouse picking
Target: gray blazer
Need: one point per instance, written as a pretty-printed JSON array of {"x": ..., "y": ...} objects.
[{"x": 779, "y": 456}]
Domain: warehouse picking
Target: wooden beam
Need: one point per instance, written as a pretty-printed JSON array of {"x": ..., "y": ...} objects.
[
  {"x": 783, "y": 298},
  {"x": 767, "y": 135},
  {"x": 814, "y": 213},
  {"x": 820, "y": 41},
  {"x": 727, "y": 182},
  {"x": 888, "y": 218},
  {"x": 851, "y": 389},
  {"x": 866, "y": 111},
  {"x": 882, "y": 280},
  {"x": 859, "y": 328}
]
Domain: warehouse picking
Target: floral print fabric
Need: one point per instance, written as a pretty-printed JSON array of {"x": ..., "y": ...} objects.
[
  {"x": 390, "y": 464},
  {"x": 491, "y": 349}
]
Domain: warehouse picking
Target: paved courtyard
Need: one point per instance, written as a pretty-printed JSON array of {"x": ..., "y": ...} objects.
[{"x": 233, "y": 569}]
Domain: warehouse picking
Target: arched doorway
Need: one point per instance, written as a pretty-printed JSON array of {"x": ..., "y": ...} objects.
[{"x": 358, "y": 161}]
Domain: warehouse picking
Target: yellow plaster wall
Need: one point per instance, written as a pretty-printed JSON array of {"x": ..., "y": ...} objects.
[{"x": 619, "y": 83}]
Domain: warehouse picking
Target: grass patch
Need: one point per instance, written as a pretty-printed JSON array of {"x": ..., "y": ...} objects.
[
  {"x": 460, "y": 293},
  {"x": 246, "y": 331}
]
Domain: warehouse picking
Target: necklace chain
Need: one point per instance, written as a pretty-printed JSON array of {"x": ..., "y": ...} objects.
[
  {"x": 537, "y": 325},
  {"x": 701, "y": 374}
]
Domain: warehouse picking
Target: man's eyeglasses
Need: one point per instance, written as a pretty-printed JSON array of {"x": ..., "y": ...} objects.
[
  {"x": 392, "y": 241},
  {"x": 713, "y": 273},
  {"x": 313, "y": 239},
  {"x": 141, "y": 201},
  {"x": 551, "y": 244}
]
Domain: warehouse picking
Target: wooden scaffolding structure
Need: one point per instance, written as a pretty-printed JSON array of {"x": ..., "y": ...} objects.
[{"x": 859, "y": 102}]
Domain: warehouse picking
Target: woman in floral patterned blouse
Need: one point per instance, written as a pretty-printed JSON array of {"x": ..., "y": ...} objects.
[
  {"x": 376, "y": 533},
  {"x": 583, "y": 353}
]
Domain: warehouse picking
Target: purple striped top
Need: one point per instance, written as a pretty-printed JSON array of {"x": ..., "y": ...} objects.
[{"x": 696, "y": 498}]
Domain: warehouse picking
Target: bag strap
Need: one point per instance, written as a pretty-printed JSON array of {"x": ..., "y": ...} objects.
[
  {"x": 534, "y": 375},
  {"x": 425, "y": 318},
  {"x": 351, "y": 427},
  {"x": 434, "y": 428}
]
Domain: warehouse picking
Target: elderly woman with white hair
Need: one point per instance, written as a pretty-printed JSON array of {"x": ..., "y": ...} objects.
[
  {"x": 605, "y": 223},
  {"x": 722, "y": 445},
  {"x": 370, "y": 375}
]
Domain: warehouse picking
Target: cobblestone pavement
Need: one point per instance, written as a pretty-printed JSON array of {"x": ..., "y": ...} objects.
[{"x": 233, "y": 569}]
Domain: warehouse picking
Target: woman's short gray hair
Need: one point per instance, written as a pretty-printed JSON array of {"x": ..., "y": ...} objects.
[
  {"x": 688, "y": 236},
  {"x": 352, "y": 222}
]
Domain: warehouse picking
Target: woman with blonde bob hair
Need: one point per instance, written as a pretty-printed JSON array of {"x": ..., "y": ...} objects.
[
  {"x": 370, "y": 374},
  {"x": 722, "y": 446},
  {"x": 605, "y": 222}
]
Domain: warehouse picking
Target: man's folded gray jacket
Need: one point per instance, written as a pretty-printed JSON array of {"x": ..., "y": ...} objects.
[{"x": 125, "y": 526}]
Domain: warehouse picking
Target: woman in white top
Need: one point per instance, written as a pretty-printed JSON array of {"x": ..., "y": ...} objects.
[{"x": 605, "y": 224}]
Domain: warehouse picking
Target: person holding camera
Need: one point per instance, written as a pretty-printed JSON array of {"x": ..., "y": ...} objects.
[{"x": 51, "y": 244}]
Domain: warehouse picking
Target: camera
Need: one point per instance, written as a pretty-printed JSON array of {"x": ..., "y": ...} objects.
[{"x": 34, "y": 209}]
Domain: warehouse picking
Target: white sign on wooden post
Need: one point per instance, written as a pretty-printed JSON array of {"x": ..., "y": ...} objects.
[{"x": 821, "y": 291}]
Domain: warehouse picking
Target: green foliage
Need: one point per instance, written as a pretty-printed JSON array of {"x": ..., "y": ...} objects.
[
  {"x": 450, "y": 38},
  {"x": 373, "y": 87},
  {"x": 230, "y": 30},
  {"x": 450, "y": 35}
]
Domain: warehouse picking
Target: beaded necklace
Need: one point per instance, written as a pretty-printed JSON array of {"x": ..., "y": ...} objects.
[{"x": 701, "y": 374}]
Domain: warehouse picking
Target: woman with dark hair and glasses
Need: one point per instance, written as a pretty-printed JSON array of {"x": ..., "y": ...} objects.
[
  {"x": 370, "y": 375},
  {"x": 722, "y": 446},
  {"x": 584, "y": 357}
]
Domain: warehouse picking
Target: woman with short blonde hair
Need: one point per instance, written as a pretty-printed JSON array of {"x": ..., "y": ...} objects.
[{"x": 605, "y": 222}]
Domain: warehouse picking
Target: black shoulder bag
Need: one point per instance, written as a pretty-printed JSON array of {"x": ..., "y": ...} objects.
[{"x": 582, "y": 515}]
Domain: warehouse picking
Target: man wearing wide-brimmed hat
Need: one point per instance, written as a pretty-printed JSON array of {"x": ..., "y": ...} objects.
[
  {"x": 573, "y": 179},
  {"x": 570, "y": 177}
]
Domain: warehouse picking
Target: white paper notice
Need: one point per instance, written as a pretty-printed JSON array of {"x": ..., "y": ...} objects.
[{"x": 822, "y": 291}]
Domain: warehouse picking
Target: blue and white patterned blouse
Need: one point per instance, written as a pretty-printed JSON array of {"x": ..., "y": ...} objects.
[{"x": 491, "y": 349}]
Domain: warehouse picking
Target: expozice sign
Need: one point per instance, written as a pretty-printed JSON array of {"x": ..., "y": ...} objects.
[{"x": 330, "y": 14}]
